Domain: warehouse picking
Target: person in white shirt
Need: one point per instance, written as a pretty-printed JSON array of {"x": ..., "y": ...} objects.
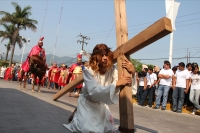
[
  {"x": 149, "y": 90},
  {"x": 3, "y": 69},
  {"x": 165, "y": 76},
  {"x": 195, "y": 88},
  {"x": 180, "y": 87},
  {"x": 187, "y": 102},
  {"x": 141, "y": 86}
]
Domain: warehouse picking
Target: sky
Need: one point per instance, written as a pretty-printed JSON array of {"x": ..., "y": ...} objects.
[{"x": 96, "y": 20}]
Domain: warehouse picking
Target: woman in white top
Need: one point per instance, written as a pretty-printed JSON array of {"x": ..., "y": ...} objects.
[
  {"x": 101, "y": 89},
  {"x": 195, "y": 88}
]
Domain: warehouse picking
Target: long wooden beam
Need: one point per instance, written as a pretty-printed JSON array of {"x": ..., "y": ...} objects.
[
  {"x": 158, "y": 30},
  {"x": 126, "y": 115},
  {"x": 151, "y": 34}
]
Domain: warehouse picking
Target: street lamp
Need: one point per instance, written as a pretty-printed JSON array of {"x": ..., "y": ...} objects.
[{"x": 24, "y": 49}]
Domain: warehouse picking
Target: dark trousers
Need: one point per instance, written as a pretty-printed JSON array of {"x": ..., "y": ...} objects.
[
  {"x": 178, "y": 98},
  {"x": 169, "y": 100},
  {"x": 187, "y": 101},
  {"x": 148, "y": 92},
  {"x": 140, "y": 92}
]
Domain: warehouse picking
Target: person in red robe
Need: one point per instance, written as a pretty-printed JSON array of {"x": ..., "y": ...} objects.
[
  {"x": 75, "y": 70},
  {"x": 36, "y": 50},
  {"x": 8, "y": 73},
  {"x": 54, "y": 75},
  {"x": 63, "y": 76},
  {"x": 19, "y": 74}
]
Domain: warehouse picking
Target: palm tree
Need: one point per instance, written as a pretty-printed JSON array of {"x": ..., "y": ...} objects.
[
  {"x": 7, "y": 34},
  {"x": 20, "y": 19},
  {"x": 7, "y": 50}
]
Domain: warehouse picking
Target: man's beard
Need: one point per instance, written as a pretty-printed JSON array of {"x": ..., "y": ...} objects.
[{"x": 103, "y": 68}]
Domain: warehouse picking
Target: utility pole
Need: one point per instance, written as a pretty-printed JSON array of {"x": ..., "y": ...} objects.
[
  {"x": 187, "y": 55},
  {"x": 83, "y": 40}
]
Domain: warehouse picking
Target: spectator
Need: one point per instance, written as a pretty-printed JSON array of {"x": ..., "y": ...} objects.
[
  {"x": 195, "y": 88},
  {"x": 169, "y": 100},
  {"x": 3, "y": 69},
  {"x": 142, "y": 84},
  {"x": 180, "y": 87},
  {"x": 165, "y": 76},
  {"x": 187, "y": 102},
  {"x": 156, "y": 71},
  {"x": 149, "y": 91}
]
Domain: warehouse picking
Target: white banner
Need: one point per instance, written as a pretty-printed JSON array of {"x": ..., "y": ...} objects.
[{"x": 171, "y": 11}]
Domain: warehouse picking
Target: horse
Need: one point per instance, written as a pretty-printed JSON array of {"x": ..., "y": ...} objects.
[{"x": 37, "y": 68}]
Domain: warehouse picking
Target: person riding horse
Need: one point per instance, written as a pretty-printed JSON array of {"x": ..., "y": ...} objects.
[
  {"x": 36, "y": 50},
  {"x": 35, "y": 64}
]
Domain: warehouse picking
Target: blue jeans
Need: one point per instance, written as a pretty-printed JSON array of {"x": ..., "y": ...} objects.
[
  {"x": 140, "y": 93},
  {"x": 178, "y": 98},
  {"x": 148, "y": 92},
  {"x": 163, "y": 90}
]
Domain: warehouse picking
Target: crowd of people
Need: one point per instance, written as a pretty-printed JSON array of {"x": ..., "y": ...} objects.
[{"x": 179, "y": 86}]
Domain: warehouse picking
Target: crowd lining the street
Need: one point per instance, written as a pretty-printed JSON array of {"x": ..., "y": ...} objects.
[{"x": 179, "y": 86}]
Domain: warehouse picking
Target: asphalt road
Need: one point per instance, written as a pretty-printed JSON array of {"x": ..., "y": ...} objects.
[{"x": 26, "y": 112}]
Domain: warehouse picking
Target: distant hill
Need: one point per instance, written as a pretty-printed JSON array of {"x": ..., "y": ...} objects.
[{"x": 65, "y": 59}]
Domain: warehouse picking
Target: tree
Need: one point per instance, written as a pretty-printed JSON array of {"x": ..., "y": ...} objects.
[
  {"x": 138, "y": 65},
  {"x": 7, "y": 34},
  {"x": 21, "y": 21},
  {"x": 7, "y": 50}
]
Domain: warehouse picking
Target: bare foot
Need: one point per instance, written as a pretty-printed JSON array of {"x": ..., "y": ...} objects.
[
  {"x": 76, "y": 95},
  {"x": 33, "y": 91},
  {"x": 70, "y": 94}
]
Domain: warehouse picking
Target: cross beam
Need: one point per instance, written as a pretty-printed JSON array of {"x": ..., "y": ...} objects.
[{"x": 151, "y": 34}]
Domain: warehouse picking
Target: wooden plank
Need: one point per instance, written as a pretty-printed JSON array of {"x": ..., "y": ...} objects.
[
  {"x": 69, "y": 87},
  {"x": 125, "y": 97},
  {"x": 151, "y": 34}
]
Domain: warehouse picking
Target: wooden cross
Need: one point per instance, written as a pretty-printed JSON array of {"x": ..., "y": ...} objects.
[{"x": 126, "y": 47}]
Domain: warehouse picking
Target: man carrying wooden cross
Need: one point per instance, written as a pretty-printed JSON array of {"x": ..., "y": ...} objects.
[{"x": 101, "y": 88}]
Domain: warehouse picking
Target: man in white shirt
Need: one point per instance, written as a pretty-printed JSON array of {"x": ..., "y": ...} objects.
[
  {"x": 180, "y": 87},
  {"x": 187, "y": 102},
  {"x": 149, "y": 90},
  {"x": 165, "y": 76}
]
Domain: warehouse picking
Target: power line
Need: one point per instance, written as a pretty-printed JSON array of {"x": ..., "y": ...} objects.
[
  {"x": 57, "y": 32},
  {"x": 44, "y": 19},
  {"x": 113, "y": 34},
  {"x": 167, "y": 58},
  {"x": 109, "y": 32},
  {"x": 188, "y": 14},
  {"x": 144, "y": 23}
]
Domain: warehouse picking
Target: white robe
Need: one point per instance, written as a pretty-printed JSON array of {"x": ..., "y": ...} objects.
[
  {"x": 93, "y": 114},
  {"x": 2, "y": 72}
]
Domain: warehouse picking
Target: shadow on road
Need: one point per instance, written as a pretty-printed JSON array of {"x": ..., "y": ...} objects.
[
  {"x": 50, "y": 92},
  {"x": 138, "y": 127},
  {"x": 20, "y": 112},
  {"x": 68, "y": 104}
]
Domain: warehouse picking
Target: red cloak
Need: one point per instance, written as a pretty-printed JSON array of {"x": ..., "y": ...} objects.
[{"x": 36, "y": 50}]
